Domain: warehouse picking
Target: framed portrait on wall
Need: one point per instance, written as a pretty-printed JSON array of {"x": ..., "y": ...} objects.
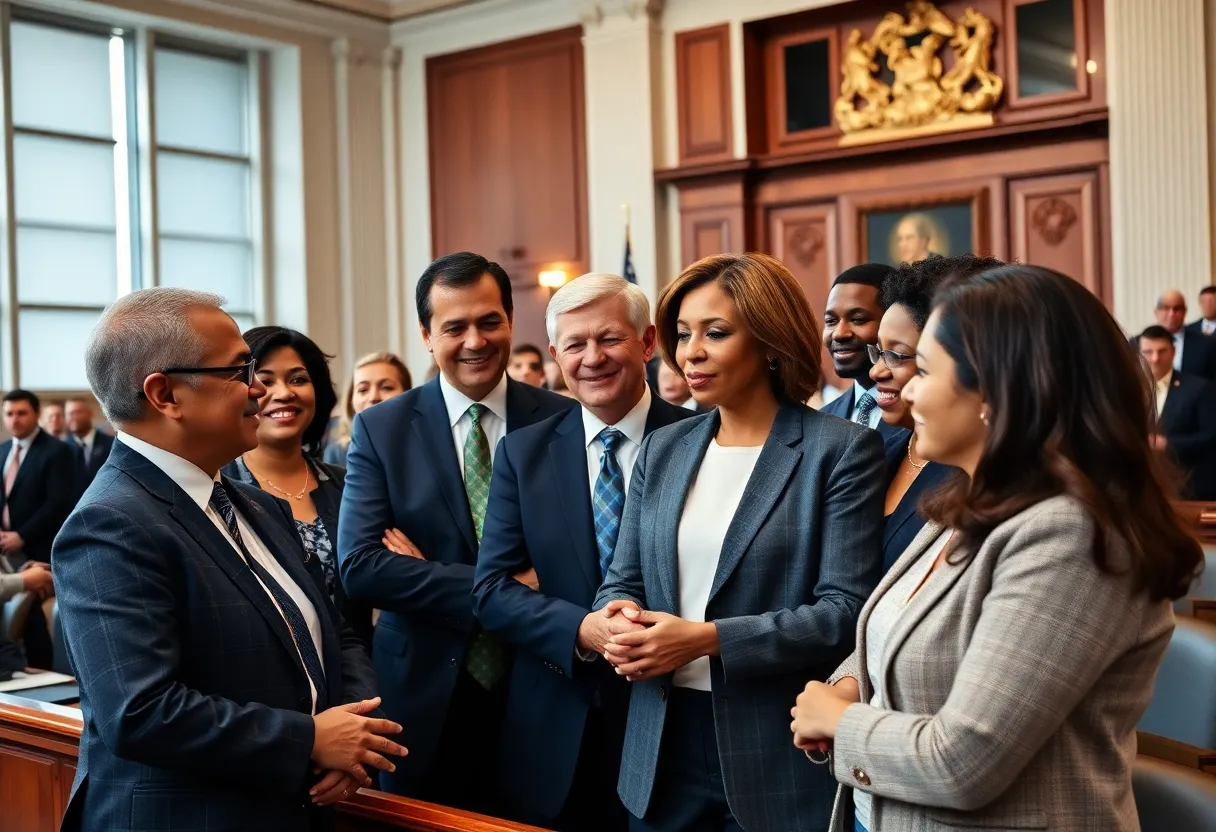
[{"x": 911, "y": 229}]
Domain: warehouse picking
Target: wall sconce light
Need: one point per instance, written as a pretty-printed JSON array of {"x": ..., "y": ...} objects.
[{"x": 552, "y": 279}]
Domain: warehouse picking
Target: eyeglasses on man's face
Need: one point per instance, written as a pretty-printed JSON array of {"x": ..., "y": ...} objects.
[
  {"x": 245, "y": 373},
  {"x": 894, "y": 360}
]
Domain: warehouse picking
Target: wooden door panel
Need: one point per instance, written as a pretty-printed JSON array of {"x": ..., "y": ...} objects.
[
  {"x": 1055, "y": 224},
  {"x": 28, "y": 794}
]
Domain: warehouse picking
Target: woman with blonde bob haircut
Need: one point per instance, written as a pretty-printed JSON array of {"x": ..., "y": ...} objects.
[{"x": 749, "y": 541}]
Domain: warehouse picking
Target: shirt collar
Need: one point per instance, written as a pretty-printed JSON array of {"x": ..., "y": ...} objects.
[
  {"x": 87, "y": 439},
  {"x": 29, "y": 440},
  {"x": 633, "y": 424},
  {"x": 188, "y": 476},
  {"x": 458, "y": 403},
  {"x": 1163, "y": 383}
]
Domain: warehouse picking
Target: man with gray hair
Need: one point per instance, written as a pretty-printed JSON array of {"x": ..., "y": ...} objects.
[
  {"x": 556, "y": 497},
  {"x": 217, "y": 682}
]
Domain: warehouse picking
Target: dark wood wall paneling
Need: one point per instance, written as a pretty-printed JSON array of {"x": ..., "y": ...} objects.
[
  {"x": 1038, "y": 179},
  {"x": 508, "y": 165}
]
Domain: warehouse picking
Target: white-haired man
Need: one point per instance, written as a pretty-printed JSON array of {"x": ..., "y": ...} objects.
[
  {"x": 555, "y": 506},
  {"x": 219, "y": 687}
]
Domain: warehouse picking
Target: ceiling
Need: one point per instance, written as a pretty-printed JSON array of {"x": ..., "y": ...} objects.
[{"x": 387, "y": 10}]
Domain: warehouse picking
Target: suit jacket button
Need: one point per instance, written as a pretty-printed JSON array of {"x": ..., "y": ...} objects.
[
  {"x": 861, "y": 777},
  {"x": 452, "y": 662}
]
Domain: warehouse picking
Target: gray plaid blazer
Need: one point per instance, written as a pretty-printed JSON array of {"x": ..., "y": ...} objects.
[
  {"x": 801, "y": 554},
  {"x": 1013, "y": 684}
]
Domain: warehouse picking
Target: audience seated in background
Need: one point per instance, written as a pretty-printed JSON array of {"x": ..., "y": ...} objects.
[
  {"x": 376, "y": 377},
  {"x": 1185, "y": 415}
]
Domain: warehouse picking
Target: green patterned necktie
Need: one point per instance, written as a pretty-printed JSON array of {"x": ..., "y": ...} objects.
[{"x": 486, "y": 660}]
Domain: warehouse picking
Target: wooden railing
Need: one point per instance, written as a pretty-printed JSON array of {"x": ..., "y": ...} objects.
[{"x": 38, "y": 753}]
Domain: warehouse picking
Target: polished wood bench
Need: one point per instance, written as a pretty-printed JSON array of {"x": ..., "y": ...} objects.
[{"x": 38, "y": 752}]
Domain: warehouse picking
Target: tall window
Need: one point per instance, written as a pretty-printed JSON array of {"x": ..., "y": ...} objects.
[{"x": 89, "y": 222}]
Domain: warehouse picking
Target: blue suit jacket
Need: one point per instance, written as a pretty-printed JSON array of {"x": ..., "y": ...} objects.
[
  {"x": 197, "y": 711},
  {"x": 801, "y": 555},
  {"x": 1188, "y": 423},
  {"x": 43, "y": 494},
  {"x": 403, "y": 472},
  {"x": 903, "y": 524},
  {"x": 539, "y": 516},
  {"x": 842, "y": 407}
]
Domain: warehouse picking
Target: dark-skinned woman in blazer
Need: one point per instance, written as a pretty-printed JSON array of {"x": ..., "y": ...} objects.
[
  {"x": 907, "y": 295},
  {"x": 749, "y": 541},
  {"x": 294, "y": 414}
]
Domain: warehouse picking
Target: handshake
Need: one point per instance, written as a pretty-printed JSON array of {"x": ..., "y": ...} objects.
[
  {"x": 643, "y": 644},
  {"x": 346, "y": 744}
]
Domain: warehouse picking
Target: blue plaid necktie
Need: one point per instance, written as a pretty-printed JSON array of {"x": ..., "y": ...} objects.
[
  {"x": 865, "y": 407},
  {"x": 291, "y": 613},
  {"x": 608, "y": 499}
]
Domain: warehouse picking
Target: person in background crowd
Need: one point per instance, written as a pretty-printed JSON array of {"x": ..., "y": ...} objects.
[
  {"x": 1206, "y": 325},
  {"x": 1185, "y": 426},
  {"x": 93, "y": 445},
  {"x": 292, "y": 420},
  {"x": 376, "y": 377},
  {"x": 527, "y": 365},
  {"x": 1005, "y": 660},
  {"x": 219, "y": 687},
  {"x": 1194, "y": 353},
  {"x": 555, "y": 505},
  {"x": 850, "y": 324},
  {"x": 553, "y": 375},
  {"x": 673, "y": 389},
  {"x": 54, "y": 421},
  {"x": 39, "y": 482},
  {"x": 907, "y": 295},
  {"x": 749, "y": 541},
  {"x": 418, "y": 476}
]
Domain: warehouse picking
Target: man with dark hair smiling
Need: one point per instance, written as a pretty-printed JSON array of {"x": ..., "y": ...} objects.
[
  {"x": 850, "y": 323},
  {"x": 421, "y": 463}
]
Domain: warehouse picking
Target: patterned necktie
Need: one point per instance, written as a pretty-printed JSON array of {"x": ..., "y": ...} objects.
[
  {"x": 291, "y": 613},
  {"x": 865, "y": 407},
  {"x": 608, "y": 499},
  {"x": 486, "y": 660},
  {"x": 10, "y": 477}
]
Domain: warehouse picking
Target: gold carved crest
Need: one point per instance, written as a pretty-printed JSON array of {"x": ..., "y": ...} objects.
[{"x": 923, "y": 97}]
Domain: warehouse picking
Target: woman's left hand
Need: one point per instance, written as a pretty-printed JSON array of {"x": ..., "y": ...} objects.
[
  {"x": 816, "y": 715},
  {"x": 667, "y": 643}
]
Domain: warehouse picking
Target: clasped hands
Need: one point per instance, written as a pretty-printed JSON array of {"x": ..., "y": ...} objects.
[
  {"x": 818, "y": 711},
  {"x": 643, "y": 644},
  {"x": 346, "y": 744}
]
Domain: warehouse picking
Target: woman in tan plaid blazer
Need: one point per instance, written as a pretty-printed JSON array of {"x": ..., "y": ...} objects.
[{"x": 1004, "y": 661}]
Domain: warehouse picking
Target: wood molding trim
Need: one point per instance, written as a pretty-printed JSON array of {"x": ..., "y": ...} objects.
[{"x": 703, "y": 94}]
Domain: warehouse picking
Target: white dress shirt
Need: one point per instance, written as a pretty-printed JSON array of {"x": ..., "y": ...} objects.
[
  {"x": 712, "y": 501},
  {"x": 633, "y": 428},
  {"x": 1163, "y": 392},
  {"x": 875, "y": 414},
  {"x": 1179, "y": 343},
  {"x": 195, "y": 482},
  {"x": 1207, "y": 326},
  {"x": 691, "y": 404},
  {"x": 24, "y": 445},
  {"x": 494, "y": 423}
]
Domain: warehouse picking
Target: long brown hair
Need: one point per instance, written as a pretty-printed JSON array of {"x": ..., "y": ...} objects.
[
  {"x": 773, "y": 307},
  {"x": 1071, "y": 411}
]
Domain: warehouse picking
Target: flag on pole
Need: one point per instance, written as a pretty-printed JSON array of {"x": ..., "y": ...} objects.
[{"x": 627, "y": 272}]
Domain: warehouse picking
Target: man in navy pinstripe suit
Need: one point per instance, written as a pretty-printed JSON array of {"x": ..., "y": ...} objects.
[{"x": 220, "y": 689}]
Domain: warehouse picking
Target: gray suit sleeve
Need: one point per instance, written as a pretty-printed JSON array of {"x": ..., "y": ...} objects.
[
  {"x": 10, "y": 585},
  {"x": 1051, "y": 624},
  {"x": 849, "y": 667},
  {"x": 778, "y": 642}
]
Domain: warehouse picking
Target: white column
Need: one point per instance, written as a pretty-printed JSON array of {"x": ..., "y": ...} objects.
[
  {"x": 1160, "y": 188},
  {"x": 621, "y": 73}
]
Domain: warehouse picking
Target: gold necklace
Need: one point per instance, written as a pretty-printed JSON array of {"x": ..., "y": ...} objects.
[
  {"x": 911, "y": 461},
  {"x": 288, "y": 495}
]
